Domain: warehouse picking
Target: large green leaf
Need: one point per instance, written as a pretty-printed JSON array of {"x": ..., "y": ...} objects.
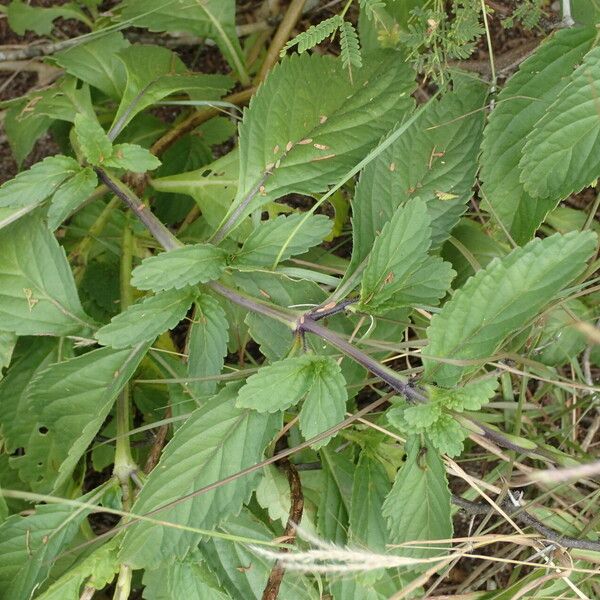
[
  {"x": 210, "y": 18},
  {"x": 189, "y": 579},
  {"x": 93, "y": 141},
  {"x": 179, "y": 268},
  {"x": 263, "y": 245},
  {"x": 418, "y": 506},
  {"x": 225, "y": 559},
  {"x": 314, "y": 136},
  {"x": 146, "y": 320},
  {"x": 520, "y": 105},
  {"x": 96, "y": 63},
  {"x": 96, "y": 571},
  {"x": 435, "y": 156},
  {"x": 207, "y": 344},
  {"x": 37, "y": 183},
  {"x": 217, "y": 440},
  {"x": 7, "y": 345},
  {"x": 22, "y": 17},
  {"x": 399, "y": 271},
  {"x": 68, "y": 402},
  {"x": 15, "y": 422},
  {"x": 29, "y": 546},
  {"x": 37, "y": 290},
  {"x": 153, "y": 73},
  {"x": 371, "y": 486},
  {"x": 562, "y": 153},
  {"x": 500, "y": 299}
]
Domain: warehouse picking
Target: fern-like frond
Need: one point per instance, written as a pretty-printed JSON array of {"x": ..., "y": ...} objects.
[
  {"x": 370, "y": 7},
  {"x": 350, "y": 48},
  {"x": 314, "y": 35}
]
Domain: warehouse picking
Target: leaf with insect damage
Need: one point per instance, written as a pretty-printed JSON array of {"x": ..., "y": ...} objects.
[{"x": 304, "y": 146}]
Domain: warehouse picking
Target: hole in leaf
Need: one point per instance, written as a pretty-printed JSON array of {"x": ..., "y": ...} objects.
[{"x": 43, "y": 430}]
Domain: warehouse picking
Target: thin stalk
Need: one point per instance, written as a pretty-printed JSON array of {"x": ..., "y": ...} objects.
[
  {"x": 488, "y": 38},
  {"x": 124, "y": 463}
]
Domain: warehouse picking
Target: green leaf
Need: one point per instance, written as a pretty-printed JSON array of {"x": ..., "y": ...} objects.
[
  {"x": 284, "y": 383},
  {"x": 312, "y": 143},
  {"x": 96, "y": 63},
  {"x": 399, "y": 271},
  {"x": 211, "y": 18},
  {"x": 93, "y": 141},
  {"x": 15, "y": 422},
  {"x": 217, "y": 440},
  {"x": 68, "y": 402},
  {"x": 23, "y": 129},
  {"x": 37, "y": 183},
  {"x": 501, "y": 299},
  {"x": 349, "y": 47},
  {"x": 471, "y": 396},
  {"x": 154, "y": 73},
  {"x": 263, "y": 245},
  {"x": 314, "y": 35},
  {"x": 189, "y": 579},
  {"x": 225, "y": 559},
  {"x": 325, "y": 402},
  {"x": 132, "y": 157},
  {"x": 96, "y": 570},
  {"x": 37, "y": 290},
  {"x": 437, "y": 153},
  {"x": 447, "y": 436},
  {"x": 179, "y": 268},
  {"x": 7, "y": 345},
  {"x": 22, "y": 17},
  {"x": 336, "y": 496},
  {"x": 418, "y": 417},
  {"x": 561, "y": 155},
  {"x": 146, "y": 320},
  {"x": 371, "y": 486},
  {"x": 418, "y": 506},
  {"x": 30, "y": 545},
  {"x": 521, "y": 104},
  {"x": 207, "y": 344},
  {"x": 70, "y": 195}
]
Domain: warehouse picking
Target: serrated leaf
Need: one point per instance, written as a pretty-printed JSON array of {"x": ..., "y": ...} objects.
[
  {"x": 33, "y": 186},
  {"x": 520, "y": 105},
  {"x": 144, "y": 321},
  {"x": 190, "y": 579},
  {"x": 132, "y": 157},
  {"x": 500, "y": 299},
  {"x": 229, "y": 560},
  {"x": 96, "y": 63},
  {"x": 561, "y": 155},
  {"x": 179, "y": 268},
  {"x": 371, "y": 486},
  {"x": 418, "y": 506},
  {"x": 471, "y": 396},
  {"x": 417, "y": 417},
  {"x": 37, "y": 290},
  {"x": 68, "y": 402},
  {"x": 93, "y": 141},
  {"x": 96, "y": 570},
  {"x": 22, "y": 17},
  {"x": 325, "y": 402},
  {"x": 210, "y": 18},
  {"x": 154, "y": 73},
  {"x": 447, "y": 436},
  {"x": 70, "y": 195},
  {"x": 30, "y": 545},
  {"x": 437, "y": 152},
  {"x": 399, "y": 271},
  {"x": 207, "y": 344},
  {"x": 263, "y": 245},
  {"x": 23, "y": 129},
  {"x": 314, "y": 35},
  {"x": 326, "y": 132},
  {"x": 217, "y": 440}
]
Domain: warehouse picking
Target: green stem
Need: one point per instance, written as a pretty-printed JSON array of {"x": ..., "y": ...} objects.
[{"x": 124, "y": 463}]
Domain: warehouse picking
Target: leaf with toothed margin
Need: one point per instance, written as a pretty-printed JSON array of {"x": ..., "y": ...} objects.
[
  {"x": 218, "y": 440},
  {"x": 321, "y": 131},
  {"x": 146, "y": 320}
]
